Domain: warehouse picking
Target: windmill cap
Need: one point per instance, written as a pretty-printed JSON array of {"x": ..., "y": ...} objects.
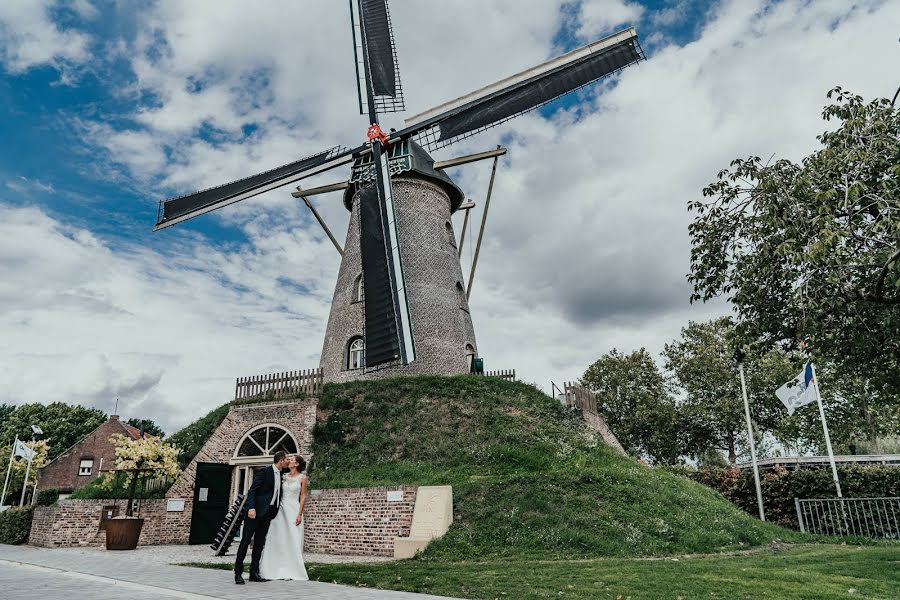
[{"x": 420, "y": 164}]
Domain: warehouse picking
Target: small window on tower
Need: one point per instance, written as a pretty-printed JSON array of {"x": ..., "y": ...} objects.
[
  {"x": 450, "y": 237},
  {"x": 470, "y": 355},
  {"x": 359, "y": 290},
  {"x": 356, "y": 355},
  {"x": 461, "y": 295},
  {"x": 86, "y": 467}
]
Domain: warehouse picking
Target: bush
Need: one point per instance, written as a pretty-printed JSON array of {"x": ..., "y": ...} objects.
[
  {"x": 47, "y": 497},
  {"x": 15, "y": 525},
  {"x": 118, "y": 490},
  {"x": 780, "y": 487}
]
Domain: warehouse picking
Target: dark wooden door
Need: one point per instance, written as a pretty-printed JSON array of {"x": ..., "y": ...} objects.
[{"x": 212, "y": 491}]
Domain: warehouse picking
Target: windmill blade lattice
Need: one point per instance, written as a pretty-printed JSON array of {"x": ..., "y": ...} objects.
[
  {"x": 186, "y": 207},
  {"x": 527, "y": 91},
  {"x": 379, "y": 48}
]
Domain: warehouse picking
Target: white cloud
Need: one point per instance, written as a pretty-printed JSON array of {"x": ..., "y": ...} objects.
[
  {"x": 29, "y": 37},
  {"x": 597, "y": 18},
  {"x": 587, "y": 244},
  {"x": 86, "y": 321}
]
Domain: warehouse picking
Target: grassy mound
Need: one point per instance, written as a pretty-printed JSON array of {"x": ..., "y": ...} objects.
[{"x": 529, "y": 479}]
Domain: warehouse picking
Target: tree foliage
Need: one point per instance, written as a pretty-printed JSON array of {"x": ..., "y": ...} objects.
[
  {"x": 712, "y": 408},
  {"x": 150, "y": 428},
  {"x": 145, "y": 453},
  {"x": 633, "y": 398},
  {"x": 812, "y": 250},
  {"x": 63, "y": 424}
]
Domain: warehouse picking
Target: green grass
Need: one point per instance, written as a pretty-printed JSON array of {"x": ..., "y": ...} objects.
[
  {"x": 529, "y": 480},
  {"x": 819, "y": 572}
]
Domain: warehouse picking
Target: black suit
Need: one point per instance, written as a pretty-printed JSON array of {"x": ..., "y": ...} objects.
[{"x": 259, "y": 498}]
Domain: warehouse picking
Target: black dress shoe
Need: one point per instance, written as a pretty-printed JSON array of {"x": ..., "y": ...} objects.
[
  {"x": 256, "y": 578},
  {"x": 238, "y": 579}
]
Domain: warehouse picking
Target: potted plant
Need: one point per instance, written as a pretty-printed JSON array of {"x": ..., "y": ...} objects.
[{"x": 136, "y": 458}]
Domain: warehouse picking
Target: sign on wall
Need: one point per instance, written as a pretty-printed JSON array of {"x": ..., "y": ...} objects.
[
  {"x": 175, "y": 505},
  {"x": 395, "y": 496}
]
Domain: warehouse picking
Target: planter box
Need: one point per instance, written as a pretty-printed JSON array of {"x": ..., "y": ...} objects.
[{"x": 122, "y": 533}]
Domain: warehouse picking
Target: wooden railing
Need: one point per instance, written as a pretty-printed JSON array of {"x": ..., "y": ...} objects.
[
  {"x": 279, "y": 385},
  {"x": 508, "y": 374},
  {"x": 306, "y": 381},
  {"x": 578, "y": 396}
]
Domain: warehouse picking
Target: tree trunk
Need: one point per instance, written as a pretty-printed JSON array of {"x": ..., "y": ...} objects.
[
  {"x": 729, "y": 441},
  {"x": 870, "y": 422}
]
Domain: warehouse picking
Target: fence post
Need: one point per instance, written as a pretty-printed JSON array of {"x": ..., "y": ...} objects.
[{"x": 799, "y": 515}]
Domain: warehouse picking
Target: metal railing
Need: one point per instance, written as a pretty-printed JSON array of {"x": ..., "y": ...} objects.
[{"x": 843, "y": 517}]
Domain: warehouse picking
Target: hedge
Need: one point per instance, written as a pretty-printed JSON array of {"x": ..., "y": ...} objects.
[
  {"x": 47, "y": 497},
  {"x": 15, "y": 525},
  {"x": 780, "y": 487}
]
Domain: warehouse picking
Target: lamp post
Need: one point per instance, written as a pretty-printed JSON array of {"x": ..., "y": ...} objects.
[{"x": 739, "y": 358}]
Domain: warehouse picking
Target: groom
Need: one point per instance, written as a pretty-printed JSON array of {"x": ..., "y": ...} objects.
[{"x": 263, "y": 500}]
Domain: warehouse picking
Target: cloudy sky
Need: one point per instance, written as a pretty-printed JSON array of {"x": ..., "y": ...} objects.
[{"x": 107, "y": 107}]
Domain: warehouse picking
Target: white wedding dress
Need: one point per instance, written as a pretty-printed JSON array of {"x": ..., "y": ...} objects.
[{"x": 282, "y": 556}]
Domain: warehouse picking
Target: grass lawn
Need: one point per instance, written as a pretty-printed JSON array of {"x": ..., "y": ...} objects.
[{"x": 813, "y": 572}]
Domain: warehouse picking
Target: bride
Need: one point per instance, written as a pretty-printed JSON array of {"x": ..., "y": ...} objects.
[{"x": 282, "y": 556}]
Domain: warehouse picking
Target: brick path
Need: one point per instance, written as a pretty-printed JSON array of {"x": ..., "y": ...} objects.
[{"x": 27, "y": 572}]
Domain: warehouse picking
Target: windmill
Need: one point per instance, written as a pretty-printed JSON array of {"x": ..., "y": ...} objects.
[{"x": 389, "y": 336}]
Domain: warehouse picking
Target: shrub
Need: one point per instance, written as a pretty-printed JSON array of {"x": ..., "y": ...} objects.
[
  {"x": 15, "y": 525},
  {"x": 100, "y": 488},
  {"x": 780, "y": 487},
  {"x": 47, "y": 497}
]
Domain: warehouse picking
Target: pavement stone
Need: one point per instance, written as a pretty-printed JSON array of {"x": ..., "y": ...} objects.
[{"x": 88, "y": 575}]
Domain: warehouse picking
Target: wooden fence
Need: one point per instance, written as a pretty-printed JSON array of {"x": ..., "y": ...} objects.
[
  {"x": 508, "y": 374},
  {"x": 279, "y": 385},
  {"x": 579, "y": 397},
  {"x": 306, "y": 381}
]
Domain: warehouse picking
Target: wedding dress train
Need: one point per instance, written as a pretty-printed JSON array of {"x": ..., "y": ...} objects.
[{"x": 282, "y": 556}]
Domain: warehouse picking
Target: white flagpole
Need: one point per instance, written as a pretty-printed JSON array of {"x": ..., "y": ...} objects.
[
  {"x": 27, "y": 473},
  {"x": 759, "y": 500},
  {"x": 834, "y": 473},
  {"x": 12, "y": 454}
]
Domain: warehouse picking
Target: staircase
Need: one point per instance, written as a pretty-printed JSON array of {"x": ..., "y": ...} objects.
[{"x": 230, "y": 527}]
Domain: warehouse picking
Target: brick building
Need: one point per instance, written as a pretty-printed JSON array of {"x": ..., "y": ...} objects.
[
  {"x": 81, "y": 464},
  {"x": 362, "y": 521}
]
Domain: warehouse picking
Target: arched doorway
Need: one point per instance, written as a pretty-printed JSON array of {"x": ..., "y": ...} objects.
[{"x": 255, "y": 450}]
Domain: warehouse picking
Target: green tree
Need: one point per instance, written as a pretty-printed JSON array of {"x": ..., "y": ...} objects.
[
  {"x": 812, "y": 250},
  {"x": 712, "y": 407},
  {"x": 150, "y": 427},
  {"x": 63, "y": 424},
  {"x": 633, "y": 398}
]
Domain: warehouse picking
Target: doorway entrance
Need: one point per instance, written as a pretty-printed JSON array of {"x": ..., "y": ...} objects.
[{"x": 212, "y": 496}]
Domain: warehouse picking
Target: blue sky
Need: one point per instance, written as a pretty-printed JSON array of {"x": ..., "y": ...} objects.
[{"x": 107, "y": 107}]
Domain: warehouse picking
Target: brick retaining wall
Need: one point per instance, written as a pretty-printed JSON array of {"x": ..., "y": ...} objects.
[
  {"x": 77, "y": 523},
  {"x": 357, "y": 521}
]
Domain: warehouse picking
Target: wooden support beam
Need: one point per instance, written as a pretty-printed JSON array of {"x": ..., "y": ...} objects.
[
  {"x": 487, "y": 205},
  {"x": 322, "y": 189},
  {"x": 324, "y": 226},
  {"x": 464, "y": 160}
]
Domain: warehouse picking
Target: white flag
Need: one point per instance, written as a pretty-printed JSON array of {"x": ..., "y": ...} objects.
[
  {"x": 798, "y": 391},
  {"x": 23, "y": 450}
]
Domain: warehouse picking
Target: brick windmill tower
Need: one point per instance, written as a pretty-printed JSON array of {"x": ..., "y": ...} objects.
[{"x": 399, "y": 304}]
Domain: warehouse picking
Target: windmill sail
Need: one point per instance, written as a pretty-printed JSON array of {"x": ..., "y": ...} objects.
[
  {"x": 187, "y": 207},
  {"x": 374, "y": 44},
  {"x": 524, "y": 91}
]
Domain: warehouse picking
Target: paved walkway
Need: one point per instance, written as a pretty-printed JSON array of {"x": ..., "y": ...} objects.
[
  {"x": 182, "y": 553},
  {"x": 27, "y": 572}
]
